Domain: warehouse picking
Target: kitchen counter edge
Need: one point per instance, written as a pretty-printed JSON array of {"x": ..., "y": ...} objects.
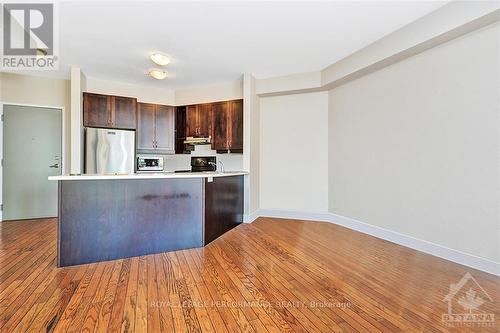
[{"x": 151, "y": 175}]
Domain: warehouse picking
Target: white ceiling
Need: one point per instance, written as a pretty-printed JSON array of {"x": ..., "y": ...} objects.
[{"x": 215, "y": 42}]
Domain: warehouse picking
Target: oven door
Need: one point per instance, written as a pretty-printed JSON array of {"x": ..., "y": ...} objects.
[{"x": 203, "y": 163}]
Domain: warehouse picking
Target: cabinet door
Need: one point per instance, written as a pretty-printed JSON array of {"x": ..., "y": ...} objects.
[
  {"x": 165, "y": 128},
  {"x": 220, "y": 125},
  {"x": 96, "y": 110},
  {"x": 236, "y": 124},
  {"x": 124, "y": 112},
  {"x": 204, "y": 120},
  {"x": 145, "y": 126},
  {"x": 180, "y": 129},
  {"x": 192, "y": 120}
]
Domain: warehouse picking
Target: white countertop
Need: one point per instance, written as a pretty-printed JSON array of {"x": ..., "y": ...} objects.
[{"x": 152, "y": 175}]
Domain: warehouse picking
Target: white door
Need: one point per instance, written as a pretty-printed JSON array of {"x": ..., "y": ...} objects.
[{"x": 31, "y": 153}]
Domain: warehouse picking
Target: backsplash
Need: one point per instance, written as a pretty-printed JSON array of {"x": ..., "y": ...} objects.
[{"x": 232, "y": 162}]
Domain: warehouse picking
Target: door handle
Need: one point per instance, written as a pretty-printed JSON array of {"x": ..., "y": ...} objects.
[{"x": 55, "y": 165}]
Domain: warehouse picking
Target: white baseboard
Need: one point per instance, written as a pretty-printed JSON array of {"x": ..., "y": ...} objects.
[
  {"x": 444, "y": 252},
  {"x": 249, "y": 218}
]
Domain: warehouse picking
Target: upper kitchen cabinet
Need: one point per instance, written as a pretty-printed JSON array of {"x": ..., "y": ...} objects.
[
  {"x": 124, "y": 115},
  {"x": 192, "y": 120},
  {"x": 227, "y": 118},
  {"x": 199, "y": 120},
  {"x": 155, "y": 128},
  {"x": 165, "y": 128},
  {"x": 180, "y": 131},
  {"x": 96, "y": 110},
  {"x": 109, "y": 111},
  {"x": 235, "y": 120},
  {"x": 205, "y": 120},
  {"x": 220, "y": 117},
  {"x": 145, "y": 126}
]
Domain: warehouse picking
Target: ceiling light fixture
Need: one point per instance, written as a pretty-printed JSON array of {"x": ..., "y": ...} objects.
[
  {"x": 157, "y": 74},
  {"x": 160, "y": 59}
]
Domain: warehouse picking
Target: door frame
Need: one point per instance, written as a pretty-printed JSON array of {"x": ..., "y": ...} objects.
[{"x": 63, "y": 143}]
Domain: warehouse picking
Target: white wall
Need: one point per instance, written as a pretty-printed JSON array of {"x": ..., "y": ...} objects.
[
  {"x": 210, "y": 93},
  {"x": 294, "y": 152},
  {"x": 144, "y": 94},
  {"x": 39, "y": 91},
  {"x": 251, "y": 146},
  {"x": 78, "y": 85},
  {"x": 414, "y": 147}
]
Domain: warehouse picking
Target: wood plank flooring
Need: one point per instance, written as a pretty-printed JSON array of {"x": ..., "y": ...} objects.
[{"x": 273, "y": 275}]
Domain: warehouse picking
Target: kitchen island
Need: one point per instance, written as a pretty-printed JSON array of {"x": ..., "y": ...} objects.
[{"x": 105, "y": 217}]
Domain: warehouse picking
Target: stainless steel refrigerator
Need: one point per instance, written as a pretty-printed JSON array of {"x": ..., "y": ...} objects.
[{"x": 109, "y": 151}]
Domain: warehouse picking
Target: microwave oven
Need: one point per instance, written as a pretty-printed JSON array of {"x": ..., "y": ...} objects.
[{"x": 149, "y": 163}]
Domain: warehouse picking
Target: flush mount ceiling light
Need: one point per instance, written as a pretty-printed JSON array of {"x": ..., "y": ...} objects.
[
  {"x": 160, "y": 59},
  {"x": 157, "y": 74}
]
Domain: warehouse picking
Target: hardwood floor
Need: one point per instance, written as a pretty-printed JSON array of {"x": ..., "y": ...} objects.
[{"x": 269, "y": 276}]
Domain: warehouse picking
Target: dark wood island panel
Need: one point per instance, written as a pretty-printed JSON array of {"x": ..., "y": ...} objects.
[
  {"x": 223, "y": 206},
  {"x": 111, "y": 219}
]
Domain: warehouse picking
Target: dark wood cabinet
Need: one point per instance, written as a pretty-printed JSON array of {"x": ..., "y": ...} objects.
[
  {"x": 199, "y": 120},
  {"x": 205, "y": 120},
  {"x": 145, "y": 126},
  {"x": 180, "y": 131},
  {"x": 155, "y": 129},
  {"x": 235, "y": 120},
  {"x": 124, "y": 110},
  {"x": 223, "y": 206},
  {"x": 192, "y": 120},
  {"x": 164, "y": 119},
  {"x": 220, "y": 122},
  {"x": 109, "y": 111},
  {"x": 96, "y": 110},
  {"x": 227, "y": 118}
]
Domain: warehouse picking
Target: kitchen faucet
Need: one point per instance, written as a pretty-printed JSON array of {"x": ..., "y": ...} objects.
[{"x": 215, "y": 165}]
